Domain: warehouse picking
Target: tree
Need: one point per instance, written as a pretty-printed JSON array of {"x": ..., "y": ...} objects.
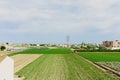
[
  {"x": 2, "y": 48},
  {"x": 88, "y": 47}
]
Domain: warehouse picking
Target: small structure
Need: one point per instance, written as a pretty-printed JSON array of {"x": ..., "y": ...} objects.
[{"x": 6, "y": 68}]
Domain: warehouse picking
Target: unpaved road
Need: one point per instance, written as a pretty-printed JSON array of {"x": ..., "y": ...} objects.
[{"x": 21, "y": 60}]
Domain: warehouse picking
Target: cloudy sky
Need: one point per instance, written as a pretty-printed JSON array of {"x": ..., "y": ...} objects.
[{"x": 50, "y": 21}]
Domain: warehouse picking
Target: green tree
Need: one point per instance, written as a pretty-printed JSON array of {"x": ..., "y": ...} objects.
[{"x": 2, "y": 48}]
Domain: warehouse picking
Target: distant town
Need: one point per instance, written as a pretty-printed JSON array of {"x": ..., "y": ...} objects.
[{"x": 104, "y": 45}]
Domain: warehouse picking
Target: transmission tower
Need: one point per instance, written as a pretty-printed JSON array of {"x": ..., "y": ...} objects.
[{"x": 67, "y": 39}]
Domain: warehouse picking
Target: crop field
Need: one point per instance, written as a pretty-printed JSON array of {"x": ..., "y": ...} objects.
[
  {"x": 108, "y": 59},
  {"x": 101, "y": 56},
  {"x": 46, "y": 51},
  {"x": 65, "y": 66},
  {"x": 112, "y": 65},
  {"x": 21, "y": 60}
]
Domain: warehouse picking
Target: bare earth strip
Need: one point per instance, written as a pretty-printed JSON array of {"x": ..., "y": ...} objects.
[{"x": 21, "y": 60}]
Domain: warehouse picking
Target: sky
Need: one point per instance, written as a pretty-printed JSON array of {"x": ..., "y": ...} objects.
[{"x": 50, "y": 21}]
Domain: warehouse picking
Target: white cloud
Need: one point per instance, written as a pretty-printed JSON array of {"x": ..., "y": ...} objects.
[{"x": 59, "y": 15}]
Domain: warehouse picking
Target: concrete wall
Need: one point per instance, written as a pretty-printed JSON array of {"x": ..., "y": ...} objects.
[{"x": 7, "y": 69}]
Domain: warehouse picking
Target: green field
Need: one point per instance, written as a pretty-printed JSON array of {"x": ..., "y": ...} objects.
[
  {"x": 101, "y": 56},
  {"x": 46, "y": 51},
  {"x": 64, "y": 66}
]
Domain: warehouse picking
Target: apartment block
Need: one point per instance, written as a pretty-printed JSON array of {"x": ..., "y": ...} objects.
[{"x": 112, "y": 45}]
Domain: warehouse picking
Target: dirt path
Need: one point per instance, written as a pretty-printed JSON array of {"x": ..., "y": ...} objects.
[{"x": 21, "y": 60}]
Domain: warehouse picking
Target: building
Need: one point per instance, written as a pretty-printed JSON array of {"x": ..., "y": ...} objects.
[
  {"x": 6, "y": 68},
  {"x": 111, "y": 45}
]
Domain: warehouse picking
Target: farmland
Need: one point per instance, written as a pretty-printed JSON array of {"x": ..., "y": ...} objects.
[
  {"x": 46, "y": 51},
  {"x": 110, "y": 60},
  {"x": 113, "y": 65},
  {"x": 101, "y": 56},
  {"x": 21, "y": 60},
  {"x": 60, "y": 64}
]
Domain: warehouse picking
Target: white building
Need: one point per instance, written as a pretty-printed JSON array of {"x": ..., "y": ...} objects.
[{"x": 6, "y": 68}]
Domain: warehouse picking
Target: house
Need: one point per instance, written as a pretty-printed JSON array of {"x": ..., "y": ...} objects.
[{"x": 6, "y": 68}]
